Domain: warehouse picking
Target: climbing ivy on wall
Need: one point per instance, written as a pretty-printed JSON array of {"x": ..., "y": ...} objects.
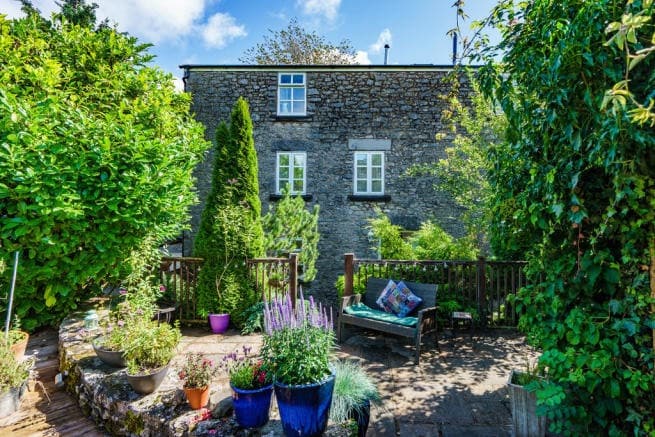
[{"x": 580, "y": 176}]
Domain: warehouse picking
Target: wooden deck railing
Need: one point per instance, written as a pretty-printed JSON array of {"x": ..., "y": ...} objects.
[
  {"x": 479, "y": 285},
  {"x": 271, "y": 277}
]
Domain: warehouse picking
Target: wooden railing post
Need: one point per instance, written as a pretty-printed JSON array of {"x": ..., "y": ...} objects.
[
  {"x": 293, "y": 277},
  {"x": 348, "y": 269},
  {"x": 482, "y": 288}
]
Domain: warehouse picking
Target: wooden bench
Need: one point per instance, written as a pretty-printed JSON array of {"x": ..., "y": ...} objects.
[{"x": 425, "y": 313}]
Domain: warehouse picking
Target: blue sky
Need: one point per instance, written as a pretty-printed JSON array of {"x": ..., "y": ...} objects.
[{"x": 219, "y": 31}]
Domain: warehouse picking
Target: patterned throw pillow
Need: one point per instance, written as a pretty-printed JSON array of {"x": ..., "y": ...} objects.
[
  {"x": 384, "y": 296},
  {"x": 401, "y": 300}
]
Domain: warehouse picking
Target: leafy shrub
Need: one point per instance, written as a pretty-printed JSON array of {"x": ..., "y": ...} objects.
[
  {"x": 97, "y": 153},
  {"x": 289, "y": 223},
  {"x": 12, "y": 372}
]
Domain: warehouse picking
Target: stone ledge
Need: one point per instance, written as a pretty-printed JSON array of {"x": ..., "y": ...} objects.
[{"x": 104, "y": 394}]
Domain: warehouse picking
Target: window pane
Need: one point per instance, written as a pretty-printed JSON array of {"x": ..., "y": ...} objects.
[
  {"x": 298, "y": 107},
  {"x": 285, "y": 107},
  {"x": 284, "y": 159},
  {"x": 299, "y": 160},
  {"x": 298, "y": 78},
  {"x": 376, "y": 186},
  {"x": 376, "y": 173},
  {"x": 285, "y": 78},
  {"x": 299, "y": 94},
  {"x": 360, "y": 160},
  {"x": 376, "y": 159},
  {"x": 297, "y": 186},
  {"x": 284, "y": 173},
  {"x": 361, "y": 186},
  {"x": 298, "y": 172},
  {"x": 285, "y": 93}
]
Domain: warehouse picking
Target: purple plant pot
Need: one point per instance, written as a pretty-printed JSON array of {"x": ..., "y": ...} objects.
[{"x": 219, "y": 322}]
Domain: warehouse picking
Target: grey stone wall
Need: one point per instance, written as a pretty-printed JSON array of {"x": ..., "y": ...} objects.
[{"x": 398, "y": 105}]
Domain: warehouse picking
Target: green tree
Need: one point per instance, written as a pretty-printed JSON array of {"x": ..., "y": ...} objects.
[
  {"x": 476, "y": 128},
  {"x": 230, "y": 231},
  {"x": 288, "y": 224},
  {"x": 295, "y": 45},
  {"x": 584, "y": 187},
  {"x": 96, "y": 153}
]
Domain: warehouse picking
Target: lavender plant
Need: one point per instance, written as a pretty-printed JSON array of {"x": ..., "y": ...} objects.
[{"x": 298, "y": 341}]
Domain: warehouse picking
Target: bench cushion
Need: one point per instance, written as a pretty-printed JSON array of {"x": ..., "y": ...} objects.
[{"x": 361, "y": 310}]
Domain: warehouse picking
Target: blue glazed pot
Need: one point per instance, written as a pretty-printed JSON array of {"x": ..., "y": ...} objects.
[
  {"x": 251, "y": 407},
  {"x": 304, "y": 409}
]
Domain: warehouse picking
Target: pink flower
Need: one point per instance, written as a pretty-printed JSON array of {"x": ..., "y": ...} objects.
[
  {"x": 122, "y": 291},
  {"x": 162, "y": 288}
]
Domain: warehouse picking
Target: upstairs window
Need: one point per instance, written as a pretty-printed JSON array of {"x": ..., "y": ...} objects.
[
  {"x": 291, "y": 171},
  {"x": 291, "y": 94},
  {"x": 369, "y": 173}
]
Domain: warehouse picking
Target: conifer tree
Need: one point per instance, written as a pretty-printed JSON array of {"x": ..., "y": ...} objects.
[{"x": 230, "y": 230}]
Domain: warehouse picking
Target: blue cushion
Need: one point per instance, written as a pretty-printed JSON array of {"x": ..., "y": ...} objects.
[
  {"x": 402, "y": 300},
  {"x": 362, "y": 310},
  {"x": 384, "y": 296}
]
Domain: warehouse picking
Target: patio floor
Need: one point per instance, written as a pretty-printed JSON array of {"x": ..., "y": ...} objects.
[{"x": 459, "y": 391}]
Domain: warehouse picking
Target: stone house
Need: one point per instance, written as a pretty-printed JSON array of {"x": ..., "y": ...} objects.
[{"x": 343, "y": 137}]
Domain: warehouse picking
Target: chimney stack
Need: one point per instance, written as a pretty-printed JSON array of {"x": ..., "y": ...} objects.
[{"x": 386, "y": 53}]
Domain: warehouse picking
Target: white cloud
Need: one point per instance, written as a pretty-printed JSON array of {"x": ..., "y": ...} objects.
[
  {"x": 327, "y": 8},
  {"x": 157, "y": 21},
  {"x": 154, "y": 20},
  {"x": 361, "y": 57},
  {"x": 383, "y": 38},
  {"x": 221, "y": 29}
]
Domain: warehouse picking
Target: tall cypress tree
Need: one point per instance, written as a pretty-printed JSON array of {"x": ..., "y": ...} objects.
[{"x": 230, "y": 230}]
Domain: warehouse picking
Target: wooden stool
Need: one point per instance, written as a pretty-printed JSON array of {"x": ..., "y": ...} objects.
[{"x": 461, "y": 318}]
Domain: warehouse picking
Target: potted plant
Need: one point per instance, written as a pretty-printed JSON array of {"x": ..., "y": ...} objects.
[
  {"x": 109, "y": 346},
  {"x": 13, "y": 380},
  {"x": 252, "y": 388},
  {"x": 353, "y": 393},
  {"x": 522, "y": 386},
  {"x": 197, "y": 374},
  {"x": 297, "y": 344},
  {"x": 149, "y": 347}
]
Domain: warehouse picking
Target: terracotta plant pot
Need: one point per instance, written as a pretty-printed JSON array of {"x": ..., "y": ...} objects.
[
  {"x": 146, "y": 383},
  {"x": 219, "y": 322},
  {"x": 197, "y": 397},
  {"x": 20, "y": 347}
]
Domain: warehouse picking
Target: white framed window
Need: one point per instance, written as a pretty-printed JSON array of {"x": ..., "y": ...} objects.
[
  {"x": 369, "y": 173},
  {"x": 291, "y": 171},
  {"x": 291, "y": 94}
]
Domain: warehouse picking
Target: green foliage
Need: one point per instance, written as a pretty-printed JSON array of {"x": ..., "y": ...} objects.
[
  {"x": 289, "y": 223},
  {"x": 295, "y": 45},
  {"x": 633, "y": 35},
  {"x": 580, "y": 175},
  {"x": 246, "y": 371},
  {"x": 254, "y": 319},
  {"x": 352, "y": 388},
  {"x": 392, "y": 245},
  {"x": 12, "y": 372},
  {"x": 298, "y": 342},
  {"x": 96, "y": 153},
  {"x": 430, "y": 242},
  {"x": 476, "y": 127},
  {"x": 230, "y": 230},
  {"x": 149, "y": 345}
]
